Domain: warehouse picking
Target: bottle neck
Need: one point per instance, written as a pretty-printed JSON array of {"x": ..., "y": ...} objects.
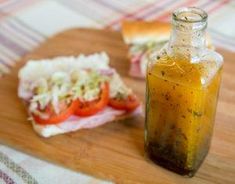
[
  {"x": 188, "y": 36},
  {"x": 192, "y": 39}
]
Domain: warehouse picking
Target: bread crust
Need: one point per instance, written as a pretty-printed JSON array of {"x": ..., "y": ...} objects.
[{"x": 139, "y": 32}]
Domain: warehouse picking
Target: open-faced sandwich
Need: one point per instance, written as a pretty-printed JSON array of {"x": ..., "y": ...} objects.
[
  {"x": 65, "y": 94},
  {"x": 142, "y": 38}
]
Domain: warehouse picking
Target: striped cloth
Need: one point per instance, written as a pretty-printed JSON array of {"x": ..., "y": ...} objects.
[
  {"x": 24, "y": 24},
  {"x": 19, "y": 168}
]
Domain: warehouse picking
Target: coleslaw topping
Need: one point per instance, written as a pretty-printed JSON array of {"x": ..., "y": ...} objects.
[{"x": 48, "y": 82}]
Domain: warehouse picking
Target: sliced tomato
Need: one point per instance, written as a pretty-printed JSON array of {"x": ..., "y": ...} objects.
[
  {"x": 129, "y": 104},
  {"x": 54, "y": 118},
  {"x": 92, "y": 107}
]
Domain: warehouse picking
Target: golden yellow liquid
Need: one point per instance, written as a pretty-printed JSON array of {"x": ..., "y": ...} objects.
[{"x": 180, "y": 109}]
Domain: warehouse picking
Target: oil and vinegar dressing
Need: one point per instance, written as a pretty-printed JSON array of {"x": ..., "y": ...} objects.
[
  {"x": 181, "y": 105},
  {"x": 182, "y": 86}
]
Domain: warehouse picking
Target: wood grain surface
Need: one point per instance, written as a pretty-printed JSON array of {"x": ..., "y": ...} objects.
[{"x": 114, "y": 151}]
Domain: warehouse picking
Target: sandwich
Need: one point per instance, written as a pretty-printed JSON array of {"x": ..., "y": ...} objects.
[
  {"x": 144, "y": 37},
  {"x": 65, "y": 94}
]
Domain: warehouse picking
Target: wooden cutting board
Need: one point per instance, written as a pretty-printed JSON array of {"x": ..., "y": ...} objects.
[{"x": 114, "y": 151}]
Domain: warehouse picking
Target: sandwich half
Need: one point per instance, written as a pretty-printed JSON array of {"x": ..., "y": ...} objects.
[
  {"x": 144, "y": 37},
  {"x": 65, "y": 94}
]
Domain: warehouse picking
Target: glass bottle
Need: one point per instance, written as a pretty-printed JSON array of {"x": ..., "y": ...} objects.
[{"x": 182, "y": 86}]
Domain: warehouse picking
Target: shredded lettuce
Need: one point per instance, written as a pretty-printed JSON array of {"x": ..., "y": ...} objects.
[
  {"x": 79, "y": 84},
  {"x": 118, "y": 88},
  {"x": 146, "y": 47},
  {"x": 87, "y": 87}
]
